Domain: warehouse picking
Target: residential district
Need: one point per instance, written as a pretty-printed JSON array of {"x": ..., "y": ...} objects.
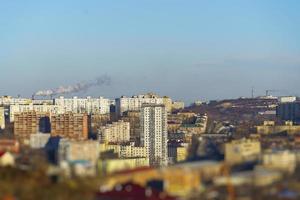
[{"x": 149, "y": 147}]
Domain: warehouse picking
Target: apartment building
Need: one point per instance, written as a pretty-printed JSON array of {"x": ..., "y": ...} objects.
[
  {"x": 8, "y": 100},
  {"x": 99, "y": 120},
  {"x": 133, "y": 117},
  {"x": 154, "y": 133},
  {"x": 18, "y": 108},
  {"x": 117, "y": 132},
  {"x": 125, "y": 150},
  {"x": 84, "y": 105},
  {"x": 243, "y": 150},
  {"x": 70, "y": 125},
  {"x": 135, "y": 103},
  {"x": 2, "y": 118},
  {"x": 31, "y": 122}
]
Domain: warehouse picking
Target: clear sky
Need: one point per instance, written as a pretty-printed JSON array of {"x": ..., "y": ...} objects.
[{"x": 187, "y": 49}]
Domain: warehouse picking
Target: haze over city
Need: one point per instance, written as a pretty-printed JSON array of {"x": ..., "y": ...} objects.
[
  {"x": 150, "y": 100},
  {"x": 184, "y": 49}
]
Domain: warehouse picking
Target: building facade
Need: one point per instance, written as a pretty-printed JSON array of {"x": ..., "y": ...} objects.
[
  {"x": 39, "y": 140},
  {"x": 133, "y": 117},
  {"x": 117, "y": 132},
  {"x": 243, "y": 150},
  {"x": 84, "y": 105},
  {"x": 134, "y": 103},
  {"x": 18, "y": 108},
  {"x": 27, "y": 123},
  {"x": 70, "y": 125},
  {"x": 289, "y": 111},
  {"x": 269, "y": 127},
  {"x": 154, "y": 133},
  {"x": 2, "y": 118},
  {"x": 8, "y": 100}
]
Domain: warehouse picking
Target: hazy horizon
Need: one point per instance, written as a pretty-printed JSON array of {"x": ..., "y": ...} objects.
[{"x": 187, "y": 50}]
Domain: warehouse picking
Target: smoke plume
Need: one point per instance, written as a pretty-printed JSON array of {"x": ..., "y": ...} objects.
[{"x": 78, "y": 87}]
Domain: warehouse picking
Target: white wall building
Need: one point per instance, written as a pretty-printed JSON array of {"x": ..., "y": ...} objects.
[
  {"x": 154, "y": 133},
  {"x": 2, "y": 118},
  {"x": 134, "y": 103},
  {"x": 117, "y": 132},
  {"x": 80, "y": 157},
  {"x": 281, "y": 160},
  {"x": 89, "y": 105},
  {"x": 8, "y": 100},
  {"x": 287, "y": 99},
  {"x": 78, "y": 150},
  {"x": 39, "y": 140}
]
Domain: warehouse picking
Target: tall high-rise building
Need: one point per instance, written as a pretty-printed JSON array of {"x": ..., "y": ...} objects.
[
  {"x": 32, "y": 122},
  {"x": 2, "y": 118},
  {"x": 154, "y": 133},
  {"x": 70, "y": 125}
]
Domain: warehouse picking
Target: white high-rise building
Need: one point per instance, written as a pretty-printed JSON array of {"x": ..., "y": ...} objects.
[
  {"x": 2, "y": 118},
  {"x": 154, "y": 133}
]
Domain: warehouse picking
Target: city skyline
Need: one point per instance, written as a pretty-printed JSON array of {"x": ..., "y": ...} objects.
[{"x": 188, "y": 51}]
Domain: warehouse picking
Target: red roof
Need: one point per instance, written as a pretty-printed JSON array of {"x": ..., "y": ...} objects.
[{"x": 2, "y": 153}]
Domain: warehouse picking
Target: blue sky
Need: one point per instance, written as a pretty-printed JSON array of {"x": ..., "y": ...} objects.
[{"x": 182, "y": 48}]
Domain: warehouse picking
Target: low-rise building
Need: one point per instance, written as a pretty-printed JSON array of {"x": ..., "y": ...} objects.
[
  {"x": 177, "y": 105},
  {"x": 124, "y": 150},
  {"x": 259, "y": 177},
  {"x": 284, "y": 161},
  {"x": 79, "y": 150},
  {"x": 117, "y": 132},
  {"x": 177, "y": 151},
  {"x": 243, "y": 150},
  {"x": 79, "y": 157},
  {"x": 178, "y": 180},
  {"x": 109, "y": 166},
  {"x": 39, "y": 140},
  {"x": 270, "y": 127}
]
